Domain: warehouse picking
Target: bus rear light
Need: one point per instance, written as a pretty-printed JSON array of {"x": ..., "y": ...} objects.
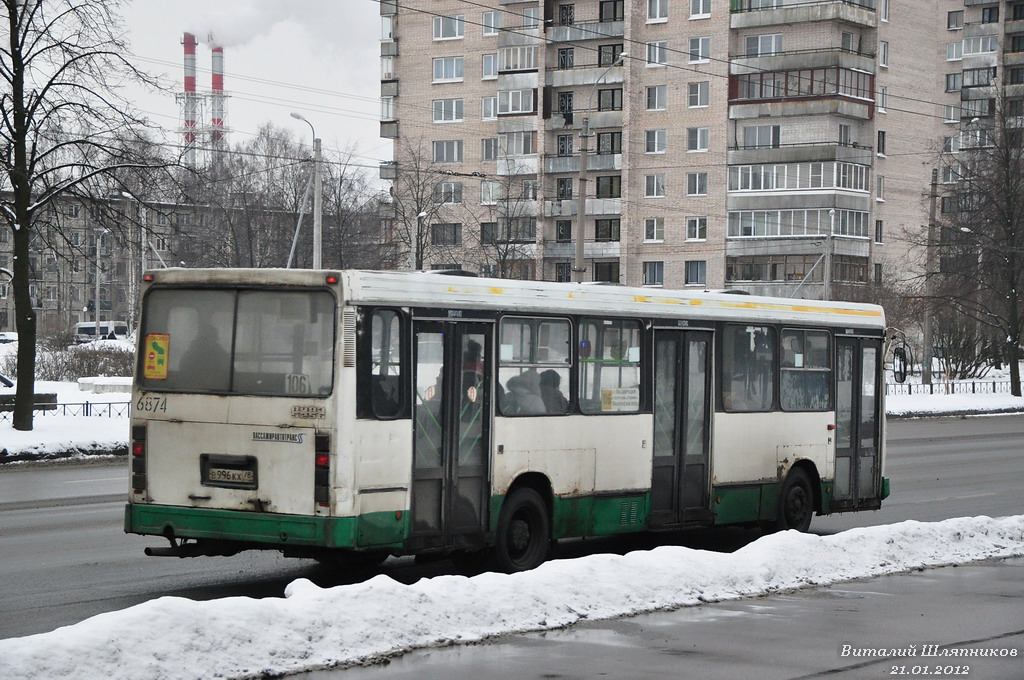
[
  {"x": 322, "y": 470},
  {"x": 138, "y": 458},
  {"x": 331, "y": 279}
]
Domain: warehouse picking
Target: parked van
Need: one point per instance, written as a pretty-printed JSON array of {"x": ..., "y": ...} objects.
[{"x": 86, "y": 330}]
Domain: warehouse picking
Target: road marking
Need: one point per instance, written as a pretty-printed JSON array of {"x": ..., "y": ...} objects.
[
  {"x": 87, "y": 481},
  {"x": 956, "y": 498}
]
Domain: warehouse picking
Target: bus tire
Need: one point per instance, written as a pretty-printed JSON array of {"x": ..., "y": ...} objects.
[
  {"x": 796, "y": 502},
  {"x": 524, "y": 531}
]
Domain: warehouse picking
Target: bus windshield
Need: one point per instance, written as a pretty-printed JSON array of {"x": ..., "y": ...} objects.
[{"x": 228, "y": 341}]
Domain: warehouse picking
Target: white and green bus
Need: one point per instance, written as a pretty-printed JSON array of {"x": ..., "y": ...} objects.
[{"x": 353, "y": 415}]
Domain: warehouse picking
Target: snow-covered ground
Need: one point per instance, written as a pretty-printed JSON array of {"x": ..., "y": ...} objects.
[{"x": 173, "y": 638}]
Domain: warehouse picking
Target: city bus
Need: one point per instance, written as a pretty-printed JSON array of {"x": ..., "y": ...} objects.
[
  {"x": 348, "y": 416},
  {"x": 85, "y": 331}
]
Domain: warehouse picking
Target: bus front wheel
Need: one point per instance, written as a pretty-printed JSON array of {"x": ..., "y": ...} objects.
[
  {"x": 796, "y": 502},
  {"x": 524, "y": 531}
]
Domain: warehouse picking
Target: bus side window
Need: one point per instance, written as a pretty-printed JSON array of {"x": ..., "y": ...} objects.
[
  {"x": 748, "y": 368},
  {"x": 534, "y": 364},
  {"x": 385, "y": 394}
]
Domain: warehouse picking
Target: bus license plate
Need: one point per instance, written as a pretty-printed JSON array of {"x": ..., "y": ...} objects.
[
  {"x": 233, "y": 476},
  {"x": 230, "y": 472}
]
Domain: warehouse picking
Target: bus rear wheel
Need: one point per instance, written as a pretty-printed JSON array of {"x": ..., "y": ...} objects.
[
  {"x": 524, "y": 531},
  {"x": 796, "y": 502}
]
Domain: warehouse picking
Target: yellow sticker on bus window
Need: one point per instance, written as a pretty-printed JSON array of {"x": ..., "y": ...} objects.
[{"x": 156, "y": 348}]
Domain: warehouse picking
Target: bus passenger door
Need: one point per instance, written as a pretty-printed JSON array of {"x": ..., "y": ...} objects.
[
  {"x": 682, "y": 406},
  {"x": 858, "y": 404},
  {"x": 451, "y": 424}
]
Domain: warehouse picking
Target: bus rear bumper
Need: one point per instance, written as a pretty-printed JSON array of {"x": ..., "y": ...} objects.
[{"x": 265, "y": 530}]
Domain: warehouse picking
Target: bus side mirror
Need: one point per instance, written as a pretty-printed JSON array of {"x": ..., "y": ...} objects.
[{"x": 899, "y": 364}]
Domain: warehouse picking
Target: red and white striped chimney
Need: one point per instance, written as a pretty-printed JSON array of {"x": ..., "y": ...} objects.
[
  {"x": 217, "y": 95},
  {"x": 190, "y": 102}
]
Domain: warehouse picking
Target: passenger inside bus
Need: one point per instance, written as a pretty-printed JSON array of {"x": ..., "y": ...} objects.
[
  {"x": 554, "y": 400},
  {"x": 523, "y": 395}
]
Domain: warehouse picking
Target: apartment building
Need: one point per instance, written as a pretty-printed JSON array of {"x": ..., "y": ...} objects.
[{"x": 773, "y": 146}]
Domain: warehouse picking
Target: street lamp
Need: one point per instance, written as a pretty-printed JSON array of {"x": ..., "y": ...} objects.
[
  {"x": 96, "y": 305},
  {"x": 581, "y": 205},
  {"x": 417, "y": 253},
  {"x": 826, "y": 274},
  {"x": 317, "y": 194}
]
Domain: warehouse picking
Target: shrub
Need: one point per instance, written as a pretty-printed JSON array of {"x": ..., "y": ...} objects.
[{"x": 71, "y": 363}]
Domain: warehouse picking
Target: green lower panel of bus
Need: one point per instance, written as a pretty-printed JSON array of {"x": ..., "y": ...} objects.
[
  {"x": 375, "y": 529},
  {"x": 754, "y": 503}
]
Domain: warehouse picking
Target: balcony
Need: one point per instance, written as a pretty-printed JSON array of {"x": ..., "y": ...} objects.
[
  {"x": 389, "y": 48},
  {"x": 589, "y": 31},
  {"x": 580, "y": 76},
  {"x": 388, "y": 170},
  {"x": 591, "y": 249},
  {"x": 554, "y": 165},
  {"x": 803, "y": 59},
  {"x": 389, "y": 129},
  {"x": 518, "y": 165},
  {"x": 746, "y": 15},
  {"x": 804, "y": 151}
]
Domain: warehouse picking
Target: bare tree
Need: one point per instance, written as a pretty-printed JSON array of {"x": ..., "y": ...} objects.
[
  {"x": 67, "y": 128},
  {"x": 980, "y": 245}
]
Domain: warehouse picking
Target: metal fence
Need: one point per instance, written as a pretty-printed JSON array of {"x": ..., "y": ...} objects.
[
  {"x": 959, "y": 387},
  {"x": 113, "y": 409}
]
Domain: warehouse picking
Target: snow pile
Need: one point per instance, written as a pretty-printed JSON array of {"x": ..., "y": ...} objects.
[
  {"x": 314, "y": 628},
  {"x": 939, "y": 404}
]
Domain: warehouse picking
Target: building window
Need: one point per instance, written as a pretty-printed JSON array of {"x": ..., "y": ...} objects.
[
  {"x": 880, "y": 149},
  {"x": 448, "y": 151},
  {"x": 563, "y": 189},
  {"x": 606, "y": 271},
  {"x": 566, "y": 15},
  {"x": 609, "y": 186},
  {"x": 884, "y": 10},
  {"x": 515, "y": 101},
  {"x": 563, "y": 272},
  {"x": 696, "y": 183},
  {"x": 654, "y": 185},
  {"x": 698, "y": 94},
  {"x": 696, "y": 228},
  {"x": 654, "y": 273},
  {"x": 696, "y": 272},
  {"x": 609, "y": 100},
  {"x": 700, "y": 9},
  {"x": 606, "y": 229},
  {"x": 697, "y": 139},
  {"x": 955, "y": 51},
  {"x": 489, "y": 108},
  {"x": 566, "y": 58},
  {"x": 488, "y": 233},
  {"x": 489, "y": 192},
  {"x": 489, "y": 66},
  {"x": 990, "y": 15},
  {"x": 565, "y": 106},
  {"x": 955, "y": 20},
  {"x": 531, "y": 17},
  {"x": 657, "y": 10},
  {"x": 448, "y": 111},
  {"x": 654, "y": 229},
  {"x": 609, "y": 142},
  {"x": 489, "y": 149},
  {"x": 655, "y": 141},
  {"x": 448, "y": 69},
  {"x": 657, "y": 53},
  {"x": 954, "y": 82},
  {"x": 492, "y": 23},
  {"x": 883, "y": 98},
  {"x": 878, "y": 273},
  {"x": 564, "y": 145},
  {"x": 657, "y": 97},
  {"x": 879, "y": 188},
  {"x": 611, "y": 10},
  {"x": 387, "y": 108},
  {"x": 952, "y": 114},
  {"x": 448, "y": 192},
  {"x": 446, "y": 234},
  {"x": 607, "y": 54},
  {"x": 845, "y": 134},
  {"x": 700, "y": 50},
  {"x": 449, "y": 28},
  {"x": 879, "y": 228},
  {"x": 517, "y": 143},
  {"x": 883, "y": 53},
  {"x": 761, "y": 136},
  {"x": 563, "y": 231},
  {"x": 981, "y": 44},
  {"x": 764, "y": 45},
  {"x": 518, "y": 58}
]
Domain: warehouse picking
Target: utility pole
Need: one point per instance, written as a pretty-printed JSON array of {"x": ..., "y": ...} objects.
[{"x": 929, "y": 274}]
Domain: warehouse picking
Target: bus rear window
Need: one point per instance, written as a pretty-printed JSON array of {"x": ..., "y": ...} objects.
[{"x": 239, "y": 342}]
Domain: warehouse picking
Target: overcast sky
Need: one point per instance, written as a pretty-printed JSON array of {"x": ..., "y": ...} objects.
[{"x": 318, "y": 57}]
